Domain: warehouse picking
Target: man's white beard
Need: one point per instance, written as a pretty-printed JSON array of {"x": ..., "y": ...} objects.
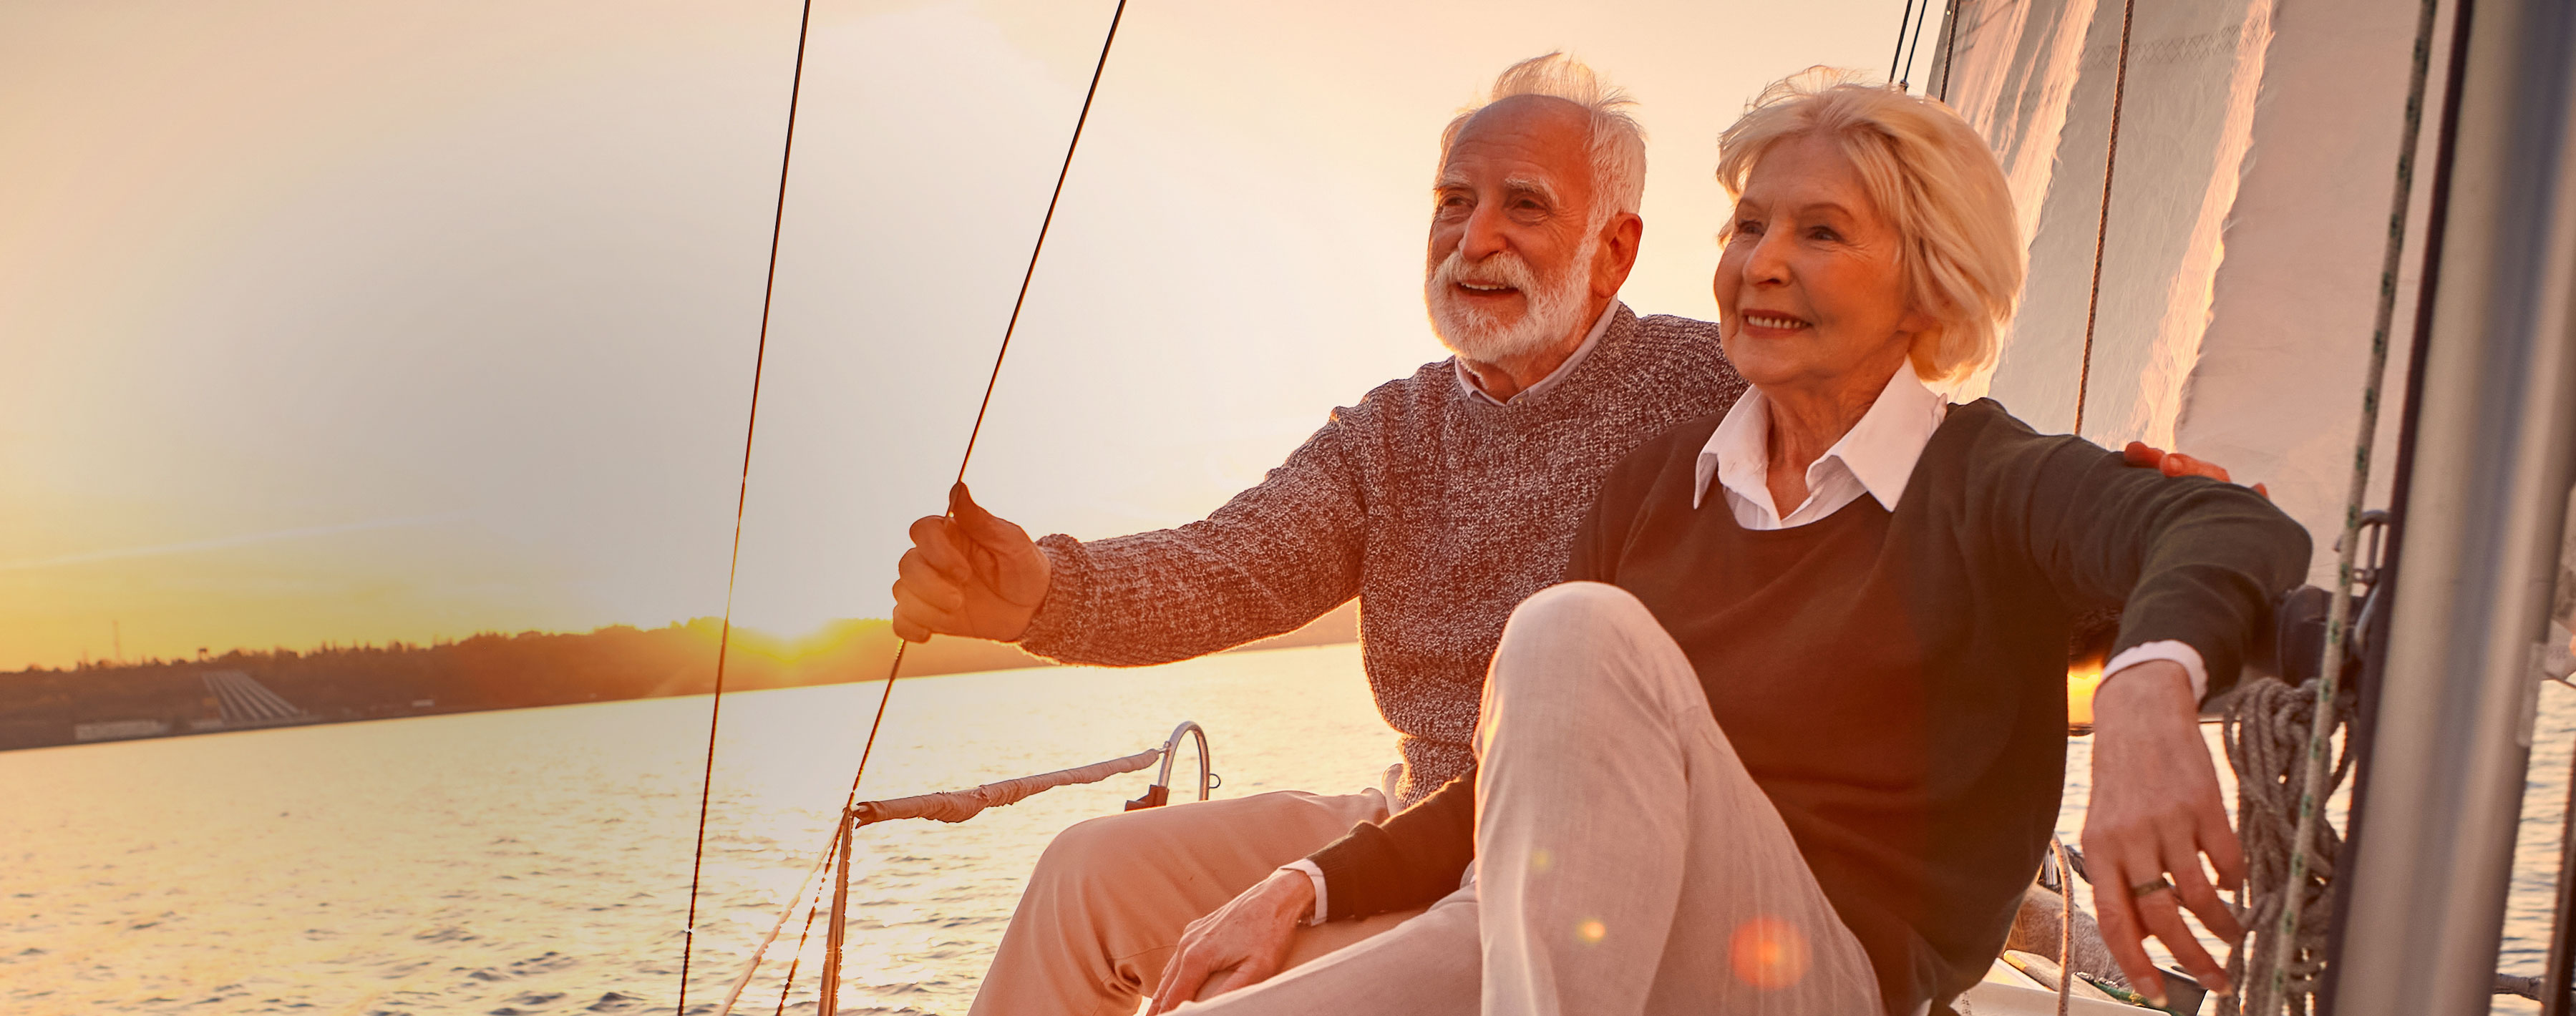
[{"x": 1551, "y": 312}]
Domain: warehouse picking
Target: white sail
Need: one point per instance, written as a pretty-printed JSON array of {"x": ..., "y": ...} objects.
[
  {"x": 2011, "y": 69},
  {"x": 2276, "y": 392},
  {"x": 2257, "y": 148}
]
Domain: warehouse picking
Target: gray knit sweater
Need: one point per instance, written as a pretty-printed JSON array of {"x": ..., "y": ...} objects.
[{"x": 1440, "y": 512}]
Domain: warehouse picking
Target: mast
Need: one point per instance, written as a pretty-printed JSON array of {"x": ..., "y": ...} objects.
[{"x": 2492, "y": 445}]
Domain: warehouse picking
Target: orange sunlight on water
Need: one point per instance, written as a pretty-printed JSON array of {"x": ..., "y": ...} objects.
[
  {"x": 2081, "y": 681},
  {"x": 537, "y": 861}
]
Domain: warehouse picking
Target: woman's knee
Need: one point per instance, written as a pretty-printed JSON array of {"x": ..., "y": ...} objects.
[
  {"x": 1579, "y": 639},
  {"x": 1570, "y": 617},
  {"x": 1579, "y": 606}
]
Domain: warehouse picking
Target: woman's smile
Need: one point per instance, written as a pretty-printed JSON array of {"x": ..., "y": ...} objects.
[{"x": 1769, "y": 325}]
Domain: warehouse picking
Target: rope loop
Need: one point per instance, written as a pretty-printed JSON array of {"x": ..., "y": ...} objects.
[{"x": 2265, "y": 730}]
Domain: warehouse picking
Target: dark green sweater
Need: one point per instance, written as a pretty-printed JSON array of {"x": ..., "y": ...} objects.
[{"x": 1896, "y": 682}]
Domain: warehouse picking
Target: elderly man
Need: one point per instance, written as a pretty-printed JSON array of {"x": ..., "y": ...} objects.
[{"x": 1440, "y": 500}]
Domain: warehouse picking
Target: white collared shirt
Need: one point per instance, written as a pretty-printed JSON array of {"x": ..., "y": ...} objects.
[
  {"x": 1876, "y": 457},
  {"x": 1476, "y": 392}
]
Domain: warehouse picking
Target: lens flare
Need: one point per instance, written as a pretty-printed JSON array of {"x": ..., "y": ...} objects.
[{"x": 1768, "y": 953}]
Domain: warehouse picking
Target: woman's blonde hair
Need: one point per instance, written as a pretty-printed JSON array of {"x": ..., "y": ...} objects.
[{"x": 1933, "y": 178}]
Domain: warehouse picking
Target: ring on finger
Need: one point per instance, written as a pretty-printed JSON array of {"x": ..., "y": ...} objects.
[{"x": 2149, "y": 888}]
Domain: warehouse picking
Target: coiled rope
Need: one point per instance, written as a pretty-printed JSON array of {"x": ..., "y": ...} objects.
[
  {"x": 2266, "y": 735},
  {"x": 2289, "y": 962},
  {"x": 840, "y": 850}
]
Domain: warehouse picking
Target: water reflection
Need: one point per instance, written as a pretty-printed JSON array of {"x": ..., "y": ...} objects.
[{"x": 536, "y": 862}]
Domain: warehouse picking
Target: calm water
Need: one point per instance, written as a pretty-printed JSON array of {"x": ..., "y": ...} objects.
[{"x": 536, "y": 862}]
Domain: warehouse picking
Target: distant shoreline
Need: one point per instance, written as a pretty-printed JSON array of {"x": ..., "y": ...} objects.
[{"x": 341, "y": 684}]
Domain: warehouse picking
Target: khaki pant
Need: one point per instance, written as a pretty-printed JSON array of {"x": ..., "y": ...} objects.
[
  {"x": 1625, "y": 861},
  {"x": 1111, "y": 895}
]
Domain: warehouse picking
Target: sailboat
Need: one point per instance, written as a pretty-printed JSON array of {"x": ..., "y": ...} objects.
[
  {"x": 2237, "y": 212},
  {"x": 2242, "y": 246}
]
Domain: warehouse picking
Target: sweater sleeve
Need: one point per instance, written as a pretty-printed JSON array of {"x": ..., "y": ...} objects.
[
  {"x": 2189, "y": 559},
  {"x": 1273, "y": 558},
  {"x": 1416, "y": 856}
]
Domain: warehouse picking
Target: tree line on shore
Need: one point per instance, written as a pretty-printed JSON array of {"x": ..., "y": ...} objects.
[
  {"x": 41, "y": 706},
  {"x": 45, "y": 706}
]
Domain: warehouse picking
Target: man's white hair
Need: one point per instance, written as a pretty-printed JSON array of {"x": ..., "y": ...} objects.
[{"x": 1618, "y": 143}]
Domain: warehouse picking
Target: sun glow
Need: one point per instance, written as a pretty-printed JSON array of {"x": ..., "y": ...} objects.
[{"x": 2082, "y": 678}]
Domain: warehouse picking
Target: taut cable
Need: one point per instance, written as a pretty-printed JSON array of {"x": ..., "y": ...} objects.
[
  {"x": 769, "y": 291},
  {"x": 1949, "y": 46},
  {"x": 995, "y": 377},
  {"x": 895, "y": 668},
  {"x": 2102, "y": 226},
  {"x": 2273, "y": 988},
  {"x": 1903, "y": 18},
  {"x": 1922, "y": 19},
  {"x": 742, "y": 494}
]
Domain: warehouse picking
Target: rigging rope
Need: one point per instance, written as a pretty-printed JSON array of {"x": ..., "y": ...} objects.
[
  {"x": 763, "y": 948},
  {"x": 1902, "y": 19},
  {"x": 2102, "y": 226},
  {"x": 788, "y": 983},
  {"x": 2311, "y": 854},
  {"x": 894, "y": 668},
  {"x": 742, "y": 493},
  {"x": 947, "y": 806},
  {"x": 1949, "y": 46},
  {"x": 2065, "y": 925},
  {"x": 1922, "y": 18}
]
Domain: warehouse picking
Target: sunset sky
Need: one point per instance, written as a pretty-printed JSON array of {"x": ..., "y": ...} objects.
[{"x": 359, "y": 321}]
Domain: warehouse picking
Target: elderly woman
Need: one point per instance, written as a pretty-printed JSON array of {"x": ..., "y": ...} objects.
[{"x": 1791, "y": 738}]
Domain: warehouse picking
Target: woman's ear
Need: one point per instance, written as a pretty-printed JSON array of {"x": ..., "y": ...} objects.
[
  {"x": 1920, "y": 322},
  {"x": 1924, "y": 351}
]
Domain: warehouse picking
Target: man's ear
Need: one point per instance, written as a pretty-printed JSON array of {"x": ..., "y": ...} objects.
[{"x": 1618, "y": 254}]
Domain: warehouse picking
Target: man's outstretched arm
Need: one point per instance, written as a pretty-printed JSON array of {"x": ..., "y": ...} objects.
[{"x": 1273, "y": 558}]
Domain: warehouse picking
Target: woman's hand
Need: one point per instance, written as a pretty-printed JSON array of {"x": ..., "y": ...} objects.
[
  {"x": 968, "y": 573},
  {"x": 2156, "y": 812},
  {"x": 1240, "y": 945}
]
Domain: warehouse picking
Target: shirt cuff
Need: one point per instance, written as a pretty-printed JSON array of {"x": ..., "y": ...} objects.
[
  {"x": 1316, "y": 875},
  {"x": 2166, "y": 649}
]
